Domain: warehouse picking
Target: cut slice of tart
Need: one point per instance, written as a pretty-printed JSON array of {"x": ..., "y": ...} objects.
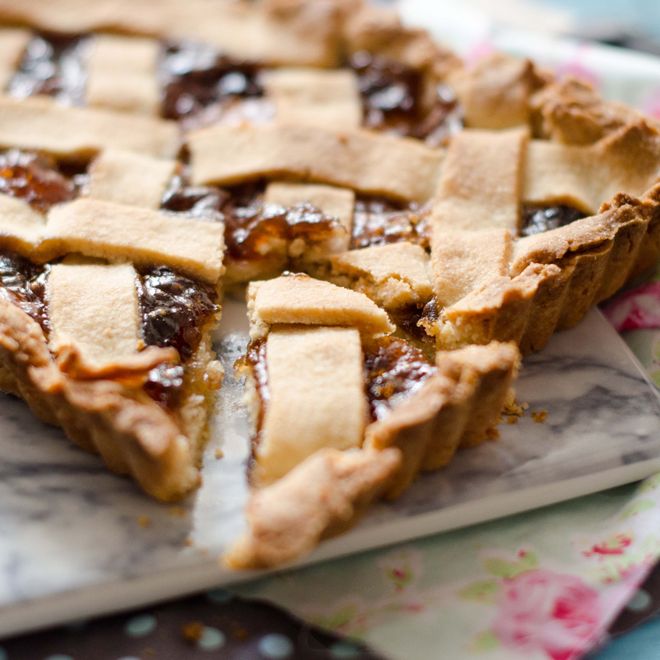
[
  {"x": 341, "y": 405},
  {"x": 106, "y": 314}
]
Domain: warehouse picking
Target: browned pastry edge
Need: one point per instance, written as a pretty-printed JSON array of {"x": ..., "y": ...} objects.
[
  {"x": 321, "y": 497},
  {"x": 131, "y": 432},
  {"x": 572, "y": 112},
  {"x": 559, "y": 277},
  {"x": 456, "y": 407}
]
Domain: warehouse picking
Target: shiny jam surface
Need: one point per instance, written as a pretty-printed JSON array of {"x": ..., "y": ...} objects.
[
  {"x": 195, "y": 201},
  {"x": 164, "y": 384},
  {"x": 52, "y": 65},
  {"x": 24, "y": 284},
  {"x": 195, "y": 77},
  {"x": 538, "y": 219},
  {"x": 251, "y": 226},
  {"x": 174, "y": 309},
  {"x": 34, "y": 178},
  {"x": 394, "y": 369},
  {"x": 377, "y": 221},
  {"x": 250, "y": 231},
  {"x": 411, "y": 320},
  {"x": 391, "y": 97}
]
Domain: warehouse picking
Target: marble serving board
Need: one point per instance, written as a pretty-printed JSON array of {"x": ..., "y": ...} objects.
[{"x": 76, "y": 540}]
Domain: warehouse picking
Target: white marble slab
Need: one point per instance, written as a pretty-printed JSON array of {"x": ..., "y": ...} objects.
[{"x": 72, "y": 543}]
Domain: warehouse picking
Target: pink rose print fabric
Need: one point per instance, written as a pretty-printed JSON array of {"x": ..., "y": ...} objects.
[
  {"x": 637, "y": 309},
  {"x": 543, "y": 610}
]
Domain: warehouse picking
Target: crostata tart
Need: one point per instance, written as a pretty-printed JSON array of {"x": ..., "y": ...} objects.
[{"x": 403, "y": 226}]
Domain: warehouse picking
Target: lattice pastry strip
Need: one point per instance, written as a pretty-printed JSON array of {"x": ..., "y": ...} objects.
[
  {"x": 40, "y": 124},
  {"x": 129, "y": 178},
  {"x": 12, "y": 45},
  {"x": 122, "y": 73},
  {"x": 93, "y": 310},
  {"x": 304, "y": 35},
  {"x": 378, "y": 164},
  {"x": 325, "y": 98},
  {"x": 117, "y": 232}
]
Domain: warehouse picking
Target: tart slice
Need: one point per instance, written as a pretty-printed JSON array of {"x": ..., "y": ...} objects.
[
  {"x": 344, "y": 411},
  {"x": 106, "y": 314}
]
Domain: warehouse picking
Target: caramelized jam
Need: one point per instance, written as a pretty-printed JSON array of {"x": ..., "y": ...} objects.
[
  {"x": 24, "y": 284},
  {"x": 537, "y": 219},
  {"x": 251, "y": 231},
  {"x": 52, "y": 65},
  {"x": 251, "y": 227},
  {"x": 195, "y": 201},
  {"x": 174, "y": 309},
  {"x": 164, "y": 384},
  {"x": 377, "y": 221},
  {"x": 34, "y": 178},
  {"x": 391, "y": 97},
  {"x": 413, "y": 320},
  {"x": 394, "y": 369},
  {"x": 195, "y": 77}
]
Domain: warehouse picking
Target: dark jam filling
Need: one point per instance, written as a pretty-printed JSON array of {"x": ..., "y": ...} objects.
[
  {"x": 52, "y": 65},
  {"x": 252, "y": 231},
  {"x": 414, "y": 320},
  {"x": 195, "y": 201},
  {"x": 195, "y": 77},
  {"x": 538, "y": 219},
  {"x": 24, "y": 284},
  {"x": 394, "y": 370},
  {"x": 378, "y": 221},
  {"x": 251, "y": 227},
  {"x": 392, "y": 101},
  {"x": 174, "y": 310},
  {"x": 164, "y": 384},
  {"x": 34, "y": 178}
]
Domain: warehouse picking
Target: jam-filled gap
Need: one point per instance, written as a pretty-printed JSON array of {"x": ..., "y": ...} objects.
[
  {"x": 539, "y": 218},
  {"x": 394, "y": 100},
  {"x": 39, "y": 179},
  {"x": 54, "y": 65}
]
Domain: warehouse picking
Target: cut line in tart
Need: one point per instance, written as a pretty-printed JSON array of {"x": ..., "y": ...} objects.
[{"x": 440, "y": 219}]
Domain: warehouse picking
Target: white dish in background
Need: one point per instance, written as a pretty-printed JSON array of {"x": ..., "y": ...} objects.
[{"x": 73, "y": 540}]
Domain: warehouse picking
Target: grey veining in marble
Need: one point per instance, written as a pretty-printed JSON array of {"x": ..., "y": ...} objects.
[{"x": 67, "y": 524}]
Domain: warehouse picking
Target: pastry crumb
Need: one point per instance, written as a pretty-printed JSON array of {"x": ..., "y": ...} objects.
[
  {"x": 492, "y": 434},
  {"x": 539, "y": 416},
  {"x": 177, "y": 511},
  {"x": 144, "y": 521},
  {"x": 219, "y": 453},
  {"x": 192, "y": 631},
  {"x": 515, "y": 409}
]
